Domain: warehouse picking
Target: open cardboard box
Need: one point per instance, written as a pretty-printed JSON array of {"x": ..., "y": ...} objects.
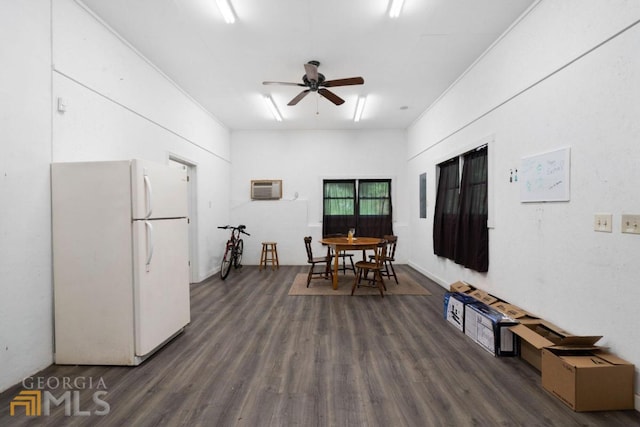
[
  {"x": 536, "y": 334},
  {"x": 588, "y": 379}
]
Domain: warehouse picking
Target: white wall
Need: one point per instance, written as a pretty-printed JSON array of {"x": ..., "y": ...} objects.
[
  {"x": 118, "y": 106},
  {"x": 25, "y": 214},
  {"x": 529, "y": 96},
  {"x": 302, "y": 159}
]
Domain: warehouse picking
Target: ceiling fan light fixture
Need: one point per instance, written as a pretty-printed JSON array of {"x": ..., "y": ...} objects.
[
  {"x": 362, "y": 100},
  {"x": 271, "y": 105},
  {"x": 395, "y": 8},
  {"x": 226, "y": 10}
]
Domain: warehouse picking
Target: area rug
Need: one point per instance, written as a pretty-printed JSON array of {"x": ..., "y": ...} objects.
[{"x": 321, "y": 286}]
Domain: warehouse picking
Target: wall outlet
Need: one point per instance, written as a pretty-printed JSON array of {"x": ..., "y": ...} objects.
[
  {"x": 602, "y": 222},
  {"x": 630, "y": 224}
]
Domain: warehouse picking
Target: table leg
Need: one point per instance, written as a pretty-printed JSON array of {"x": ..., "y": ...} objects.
[{"x": 336, "y": 265}]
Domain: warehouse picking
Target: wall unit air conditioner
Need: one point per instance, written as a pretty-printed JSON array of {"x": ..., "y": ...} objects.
[{"x": 266, "y": 189}]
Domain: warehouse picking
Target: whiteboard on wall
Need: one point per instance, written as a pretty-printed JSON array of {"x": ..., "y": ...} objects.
[{"x": 546, "y": 177}]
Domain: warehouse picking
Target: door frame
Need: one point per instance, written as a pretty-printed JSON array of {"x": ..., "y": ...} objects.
[{"x": 192, "y": 211}]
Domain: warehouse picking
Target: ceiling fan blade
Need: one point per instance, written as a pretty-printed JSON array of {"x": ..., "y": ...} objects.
[
  {"x": 283, "y": 83},
  {"x": 331, "y": 96},
  {"x": 343, "y": 82},
  {"x": 312, "y": 71},
  {"x": 297, "y": 99}
]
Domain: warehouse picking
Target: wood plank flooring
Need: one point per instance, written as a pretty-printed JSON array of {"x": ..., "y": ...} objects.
[{"x": 254, "y": 356}]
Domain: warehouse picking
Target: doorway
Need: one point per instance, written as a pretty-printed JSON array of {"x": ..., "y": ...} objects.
[{"x": 192, "y": 211}]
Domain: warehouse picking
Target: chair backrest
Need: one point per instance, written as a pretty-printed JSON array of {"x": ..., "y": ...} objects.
[
  {"x": 307, "y": 244},
  {"x": 392, "y": 241},
  {"x": 381, "y": 253}
]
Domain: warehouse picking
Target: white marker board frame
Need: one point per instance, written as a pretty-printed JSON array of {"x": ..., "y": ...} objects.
[{"x": 546, "y": 177}]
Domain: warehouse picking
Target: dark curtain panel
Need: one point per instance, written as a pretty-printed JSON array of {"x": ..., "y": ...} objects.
[
  {"x": 472, "y": 245},
  {"x": 339, "y": 206},
  {"x": 374, "y": 208},
  {"x": 446, "y": 210}
]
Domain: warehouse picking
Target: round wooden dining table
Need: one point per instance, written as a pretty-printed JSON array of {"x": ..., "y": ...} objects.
[{"x": 343, "y": 244}]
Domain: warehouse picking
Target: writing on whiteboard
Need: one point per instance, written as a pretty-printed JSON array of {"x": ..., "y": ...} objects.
[{"x": 545, "y": 177}]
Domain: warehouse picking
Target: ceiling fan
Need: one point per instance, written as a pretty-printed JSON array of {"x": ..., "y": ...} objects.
[{"x": 315, "y": 82}]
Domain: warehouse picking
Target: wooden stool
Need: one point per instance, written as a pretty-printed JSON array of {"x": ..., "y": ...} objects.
[{"x": 269, "y": 253}]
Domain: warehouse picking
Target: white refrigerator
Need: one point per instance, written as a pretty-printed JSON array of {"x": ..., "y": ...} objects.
[{"x": 120, "y": 260}]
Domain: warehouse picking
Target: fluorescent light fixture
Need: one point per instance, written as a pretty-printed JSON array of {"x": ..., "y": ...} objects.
[
  {"x": 395, "y": 8},
  {"x": 359, "y": 108},
  {"x": 227, "y": 11},
  {"x": 272, "y": 107}
]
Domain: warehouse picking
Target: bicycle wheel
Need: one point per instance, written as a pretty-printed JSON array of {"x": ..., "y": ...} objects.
[
  {"x": 237, "y": 262},
  {"x": 226, "y": 262}
]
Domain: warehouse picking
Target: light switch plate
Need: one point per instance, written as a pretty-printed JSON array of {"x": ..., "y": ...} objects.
[
  {"x": 630, "y": 224},
  {"x": 602, "y": 222}
]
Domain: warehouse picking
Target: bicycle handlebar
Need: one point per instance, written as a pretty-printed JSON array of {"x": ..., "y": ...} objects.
[{"x": 240, "y": 228}]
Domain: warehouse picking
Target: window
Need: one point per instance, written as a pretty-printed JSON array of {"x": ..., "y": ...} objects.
[
  {"x": 339, "y": 206},
  {"x": 368, "y": 209},
  {"x": 460, "y": 230}
]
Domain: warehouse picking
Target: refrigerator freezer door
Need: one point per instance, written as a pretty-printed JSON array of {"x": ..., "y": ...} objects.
[
  {"x": 161, "y": 288},
  {"x": 159, "y": 191}
]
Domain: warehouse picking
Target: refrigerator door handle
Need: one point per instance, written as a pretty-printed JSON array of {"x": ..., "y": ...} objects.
[
  {"x": 147, "y": 186},
  {"x": 149, "y": 244}
]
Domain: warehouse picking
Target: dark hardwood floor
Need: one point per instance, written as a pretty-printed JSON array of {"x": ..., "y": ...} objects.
[{"x": 254, "y": 356}]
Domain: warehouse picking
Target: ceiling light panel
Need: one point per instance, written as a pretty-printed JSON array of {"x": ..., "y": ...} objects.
[
  {"x": 395, "y": 8},
  {"x": 362, "y": 100},
  {"x": 226, "y": 10},
  {"x": 271, "y": 105}
]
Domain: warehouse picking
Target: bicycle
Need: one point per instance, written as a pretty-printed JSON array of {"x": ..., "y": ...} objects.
[{"x": 233, "y": 250}]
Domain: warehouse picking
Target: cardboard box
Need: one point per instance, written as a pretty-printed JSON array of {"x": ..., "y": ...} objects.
[
  {"x": 454, "y": 303},
  {"x": 483, "y": 296},
  {"x": 534, "y": 336},
  {"x": 588, "y": 380},
  {"x": 490, "y": 329},
  {"x": 462, "y": 287},
  {"x": 515, "y": 312}
]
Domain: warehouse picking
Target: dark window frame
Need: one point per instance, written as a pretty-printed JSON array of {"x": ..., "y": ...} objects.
[{"x": 368, "y": 192}]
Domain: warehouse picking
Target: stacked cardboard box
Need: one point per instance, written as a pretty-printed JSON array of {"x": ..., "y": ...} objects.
[
  {"x": 489, "y": 328},
  {"x": 467, "y": 308},
  {"x": 573, "y": 368},
  {"x": 454, "y": 303}
]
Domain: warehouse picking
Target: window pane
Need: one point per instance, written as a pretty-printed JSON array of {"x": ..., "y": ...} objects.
[
  {"x": 339, "y": 198},
  {"x": 339, "y": 189},
  {"x": 374, "y": 207},
  {"x": 374, "y": 189},
  {"x": 339, "y": 207},
  {"x": 375, "y": 198}
]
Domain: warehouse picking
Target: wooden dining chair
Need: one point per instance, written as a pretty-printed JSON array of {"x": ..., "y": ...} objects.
[
  {"x": 376, "y": 266},
  {"x": 343, "y": 255},
  {"x": 317, "y": 261},
  {"x": 389, "y": 259}
]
